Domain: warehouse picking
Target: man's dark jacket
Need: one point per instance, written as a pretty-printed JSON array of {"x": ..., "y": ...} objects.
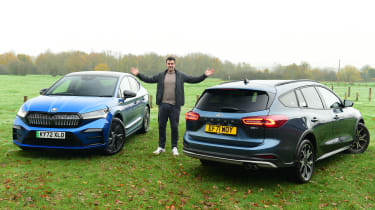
[{"x": 180, "y": 79}]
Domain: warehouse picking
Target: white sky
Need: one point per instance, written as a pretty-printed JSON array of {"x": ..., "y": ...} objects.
[{"x": 261, "y": 32}]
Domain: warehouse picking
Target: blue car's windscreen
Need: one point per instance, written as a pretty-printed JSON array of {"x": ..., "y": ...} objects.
[
  {"x": 234, "y": 100},
  {"x": 84, "y": 85}
]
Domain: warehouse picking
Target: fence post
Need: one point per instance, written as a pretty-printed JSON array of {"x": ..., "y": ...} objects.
[
  {"x": 198, "y": 97},
  {"x": 345, "y": 96},
  {"x": 150, "y": 101},
  {"x": 24, "y": 98},
  {"x": 349, "y": 92},
  {"x": 356, "y": 96},
  {"x": 331, "y": 86},
  {"x": 369, "y": 95}
]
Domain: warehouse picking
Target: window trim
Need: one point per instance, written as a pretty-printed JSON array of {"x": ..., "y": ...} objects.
[
  {"x": 321, "y": 96},
  {"x": 304, "y": 97},
  {"x": 135, "y": 82},
  {"x": 299, "y": 102},
  {"x": 120, "y": 93},
  {"x": 295, "y": 95}
]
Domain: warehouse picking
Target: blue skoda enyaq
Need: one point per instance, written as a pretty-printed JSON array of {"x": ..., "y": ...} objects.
[
  {"x": 273, "y": 124},
  {"x": 84, "y": 110}
]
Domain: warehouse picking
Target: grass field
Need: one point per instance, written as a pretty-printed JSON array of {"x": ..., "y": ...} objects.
[{"x": 136, "y": 179}]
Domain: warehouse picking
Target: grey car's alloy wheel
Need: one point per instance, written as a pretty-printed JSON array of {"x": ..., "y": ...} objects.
[
  {"x": 146, "y": 121},
  {"x": 305, "y": 161},
  {"x": 116, "y": 137},
  {"x": 361, "y": 140}
]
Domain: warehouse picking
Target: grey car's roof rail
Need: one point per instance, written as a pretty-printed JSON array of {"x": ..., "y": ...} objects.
[{"x": 293, "y": 81}]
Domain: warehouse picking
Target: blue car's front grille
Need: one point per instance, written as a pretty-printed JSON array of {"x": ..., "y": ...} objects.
[{"x": 59, "y": 120}]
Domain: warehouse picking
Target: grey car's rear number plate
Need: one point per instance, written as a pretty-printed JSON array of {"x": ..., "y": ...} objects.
[
  {"x": 230, "y": 130},
  {"x": 50, "y": 135}
]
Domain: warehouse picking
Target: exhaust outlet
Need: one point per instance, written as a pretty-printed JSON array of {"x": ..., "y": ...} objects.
[{"x": 251, "y": 167}]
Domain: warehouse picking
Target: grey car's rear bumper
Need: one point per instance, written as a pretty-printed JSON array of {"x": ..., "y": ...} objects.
[{"x": 262, "y": 164}]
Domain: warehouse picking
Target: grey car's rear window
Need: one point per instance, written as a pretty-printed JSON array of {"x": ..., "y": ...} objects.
[{"x": 233, "y": 100}]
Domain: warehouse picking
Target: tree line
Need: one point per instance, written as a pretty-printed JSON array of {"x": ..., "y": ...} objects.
[{"x": 151, "y": 63}]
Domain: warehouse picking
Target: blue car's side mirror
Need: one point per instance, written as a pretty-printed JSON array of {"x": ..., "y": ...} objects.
[
  {"x": 43, "y": 91},
  {"x": 129, "y": 94}
]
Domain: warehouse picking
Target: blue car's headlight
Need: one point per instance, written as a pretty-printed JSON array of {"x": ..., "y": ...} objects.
[
  {"x": 102, "y": 113},
  {"x": 21, "y": 112}
]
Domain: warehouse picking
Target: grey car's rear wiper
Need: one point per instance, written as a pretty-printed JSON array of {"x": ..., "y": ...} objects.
[{"x": 230, "y": 109}]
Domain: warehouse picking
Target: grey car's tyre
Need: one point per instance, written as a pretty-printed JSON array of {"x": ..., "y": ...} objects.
[
  {"x": 146, "y": 121},
  {"x": 305, "y": 162},
  {"x": 116, "y": 138},
  {"x": 208, "y": 162},
  {"x": 361, "y": 140}
]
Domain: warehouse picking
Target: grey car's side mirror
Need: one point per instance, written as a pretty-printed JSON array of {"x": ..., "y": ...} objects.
[
  {"x": 336, "y": 105},
  {"x": 129, "y": 94},
  {"x": 348, "y": 103}
]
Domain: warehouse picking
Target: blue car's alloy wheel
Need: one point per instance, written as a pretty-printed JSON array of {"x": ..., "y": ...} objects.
[{"x": 116, "y": 137}]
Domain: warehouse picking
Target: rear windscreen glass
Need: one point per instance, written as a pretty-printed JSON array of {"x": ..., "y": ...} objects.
[{"x": 235, "y": 101}]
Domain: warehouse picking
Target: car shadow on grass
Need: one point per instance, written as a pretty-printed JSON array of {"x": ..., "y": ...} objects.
[
  {"x": 55, "y": 154},
  {"x": 239, "y": 175},
  {"x": 68, "y": 153}
]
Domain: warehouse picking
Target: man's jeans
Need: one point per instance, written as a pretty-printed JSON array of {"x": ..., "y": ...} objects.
[{"x": 171, "y": 112}]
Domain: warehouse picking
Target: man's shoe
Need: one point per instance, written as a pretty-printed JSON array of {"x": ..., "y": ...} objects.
[
  {"x": 159, "y": 150},
  {"x": 175, "y": 151}
]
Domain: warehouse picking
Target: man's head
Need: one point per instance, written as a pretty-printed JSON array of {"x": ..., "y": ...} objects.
[{"x": 171, "y": 63}]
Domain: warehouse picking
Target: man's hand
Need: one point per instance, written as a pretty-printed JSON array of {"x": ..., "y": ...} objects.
[
  {"x": 209, "y": 72},
  {"x": 134, "y": 71}
]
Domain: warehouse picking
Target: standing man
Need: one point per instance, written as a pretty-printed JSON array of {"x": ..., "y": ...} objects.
[{"x": 170, "y": 97}]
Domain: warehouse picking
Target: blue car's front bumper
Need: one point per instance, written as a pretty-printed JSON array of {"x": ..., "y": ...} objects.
[{"x": 91, "y": 135}]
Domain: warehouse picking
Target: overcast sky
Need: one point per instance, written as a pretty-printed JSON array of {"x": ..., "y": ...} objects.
[{"x": 261, "y": 32}]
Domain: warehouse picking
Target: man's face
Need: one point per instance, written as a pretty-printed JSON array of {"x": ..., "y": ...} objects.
[{"x": 170, "y": 65}]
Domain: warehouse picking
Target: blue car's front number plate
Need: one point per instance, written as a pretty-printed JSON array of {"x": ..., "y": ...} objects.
[{"x": 50, "y": 135}]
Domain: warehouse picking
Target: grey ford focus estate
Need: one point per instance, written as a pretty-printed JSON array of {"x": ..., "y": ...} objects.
[{"x": 273, "y": 124}]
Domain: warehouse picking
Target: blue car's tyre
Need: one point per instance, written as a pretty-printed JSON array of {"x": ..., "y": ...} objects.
[
  {"x": 146, "y": 121},
  {"x": 305, "y": 162},
  {"x": 28, "y": 148},
  {"x": 116, "y": 138}
]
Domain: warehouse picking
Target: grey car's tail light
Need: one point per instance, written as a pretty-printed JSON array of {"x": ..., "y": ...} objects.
[{"x": 271, "y": 121}]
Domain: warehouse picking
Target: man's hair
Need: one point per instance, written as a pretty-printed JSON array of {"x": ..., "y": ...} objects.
[{"x": 170, "y": 59}]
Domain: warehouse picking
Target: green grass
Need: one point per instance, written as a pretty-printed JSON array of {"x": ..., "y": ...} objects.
[{"x": 135, "y": 178}]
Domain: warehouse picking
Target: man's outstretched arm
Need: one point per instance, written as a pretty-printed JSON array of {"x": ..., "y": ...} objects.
[
  {"x": 191, "y": 79},
  {"x": 144, "y": 78}
]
